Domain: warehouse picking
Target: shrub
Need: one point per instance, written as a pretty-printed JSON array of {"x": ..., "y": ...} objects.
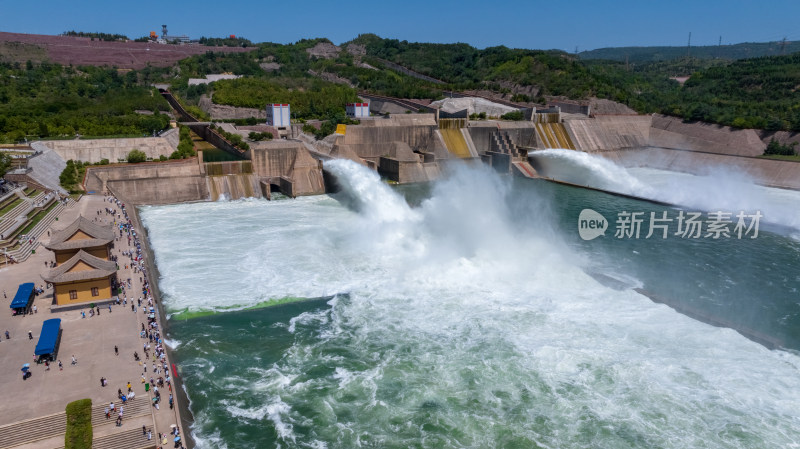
[
  {"x": 259, "y": 136},
  {"x": 774, "y": 147},
  {"x": 79, "y": 425},
  {"x": 513, "y": 115},
  {"x": 136, "y": 156}
]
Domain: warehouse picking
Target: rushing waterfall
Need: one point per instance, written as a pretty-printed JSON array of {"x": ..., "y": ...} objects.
[{"x": 721, "y": 189}]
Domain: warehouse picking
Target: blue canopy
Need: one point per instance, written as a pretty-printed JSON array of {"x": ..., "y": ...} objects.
[
  {"x": 49, "y": 337},
  {"x": 23, "y": 296}
]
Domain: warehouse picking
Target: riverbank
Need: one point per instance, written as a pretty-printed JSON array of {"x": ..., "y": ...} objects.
[
  {"x": 182, "y": 403},
  {"x": 102, "y": 343}
]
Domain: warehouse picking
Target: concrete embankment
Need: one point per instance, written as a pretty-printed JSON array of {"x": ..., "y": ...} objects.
[
  {"x": 667, "y": 143},
  {"x": 150, "y": 182},
  {"x": 609, "y": 132},
  {"x": 671, "y": 132},
  {"x": 182, "y": 403},
  {"x": 768, "y": 172},
  {"x": 94, "y": 150}
]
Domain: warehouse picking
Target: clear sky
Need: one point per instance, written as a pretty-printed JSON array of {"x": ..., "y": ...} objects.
[{"x": 524, "y": 24}]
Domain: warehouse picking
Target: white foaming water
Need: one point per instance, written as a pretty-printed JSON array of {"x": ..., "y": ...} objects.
[
  {"x": 721, "y": 189},
  {"x": 462, "y": 331},
  {"x": 584, "y": 169}
]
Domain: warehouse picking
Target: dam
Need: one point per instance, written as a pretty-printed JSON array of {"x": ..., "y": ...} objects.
[{"x": 415, "y": 148}]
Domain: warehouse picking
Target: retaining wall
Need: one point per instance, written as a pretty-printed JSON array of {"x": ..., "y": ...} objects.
[
  {"x": 773, "y": 173},
  {"x": 609, "y": 132},
  {"x": 150, "y": 183},
  {"x": 94, "y": 150},
  {"x": 671, "y": 132}
]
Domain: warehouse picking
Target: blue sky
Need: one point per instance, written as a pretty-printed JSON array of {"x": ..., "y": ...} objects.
[{"x": 523, "y": 24}]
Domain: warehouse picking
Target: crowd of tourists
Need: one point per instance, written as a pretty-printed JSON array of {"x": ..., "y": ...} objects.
[{"x": 158, "y": 378}]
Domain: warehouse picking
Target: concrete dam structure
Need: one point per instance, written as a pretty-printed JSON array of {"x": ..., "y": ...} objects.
[
  {"x": 554, "y": 135},
  {"x": 281, "y": 166},
  {"x": 414, "y": 148},
  {"x": 668, "y": 143}
]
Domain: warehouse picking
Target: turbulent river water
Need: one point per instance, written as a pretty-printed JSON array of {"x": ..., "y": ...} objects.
[{"x": 468, "y": 313}]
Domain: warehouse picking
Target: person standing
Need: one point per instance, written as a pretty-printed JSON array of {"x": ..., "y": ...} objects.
[
  {"x": 30, "y": 335},
  {"x": 116, "y": 350},
  {"x": 74, "y": 360},
  {"x": 8, "y": 336},
  {"x": 60, "y": 366}
]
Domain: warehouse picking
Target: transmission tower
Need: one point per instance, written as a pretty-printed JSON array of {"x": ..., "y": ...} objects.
[
  {"x": 689, "y": 44},
  {"x": 783, "y": 46}
]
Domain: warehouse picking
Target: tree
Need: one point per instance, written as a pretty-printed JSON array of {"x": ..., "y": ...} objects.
[
  {"x": 136, "y": 156},
  {"x": 513, "y": 115},
  {"x": 5, "y": 164}
]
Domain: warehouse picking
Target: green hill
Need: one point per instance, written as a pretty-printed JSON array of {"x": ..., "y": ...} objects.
[
  {"x": 729, "y": 52},
  {"x": 42, "y": 99}
]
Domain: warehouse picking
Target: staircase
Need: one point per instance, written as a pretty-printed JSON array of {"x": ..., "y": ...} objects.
[
  {"x": 136, "y": 407},
  {"x": 24, "y": 251},
  {"x": 33, "y": 430},
  {"x": 501, "y": 143},
  {"x": 129, "y": 439}
]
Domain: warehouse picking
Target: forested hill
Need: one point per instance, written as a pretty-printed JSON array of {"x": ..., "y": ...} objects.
[
  {"x": 729, "y": 52},
  {"x": 550, "y": 72},
  {"x": 748, "y": 93},
  {"x": 41, "y": 99}
]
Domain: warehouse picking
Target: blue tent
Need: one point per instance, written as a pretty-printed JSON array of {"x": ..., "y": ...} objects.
[
  {"x": 48, "y": 339},
  {"x": 23, "y": 297}
]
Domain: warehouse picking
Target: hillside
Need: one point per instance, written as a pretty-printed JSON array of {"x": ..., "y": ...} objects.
[
  {"x": 49, "y": 100},
  {"x": 68, "y": 50},
  {"x": 317, "y": 77},
  {"x": 727, "y": 52}
]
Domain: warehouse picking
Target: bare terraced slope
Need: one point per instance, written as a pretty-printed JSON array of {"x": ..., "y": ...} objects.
[{"x": 125, "y": 55}]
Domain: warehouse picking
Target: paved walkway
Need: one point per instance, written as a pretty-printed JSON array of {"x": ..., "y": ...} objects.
[{"x": 91, "y": 340}]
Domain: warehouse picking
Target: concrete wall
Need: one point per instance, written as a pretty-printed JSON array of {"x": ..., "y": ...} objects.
[
  {"x": 768, "y": 172},
  {"x": 521, "y": 133},
  {"x": 94, "y": 150},
  {"x": 291, "y": 161},
  {"x": 609, "y": 132},
  {"x": 150, "y": 183},
  {"x": 371, "y": 139},
  {"x": 671, "y": 132}
]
